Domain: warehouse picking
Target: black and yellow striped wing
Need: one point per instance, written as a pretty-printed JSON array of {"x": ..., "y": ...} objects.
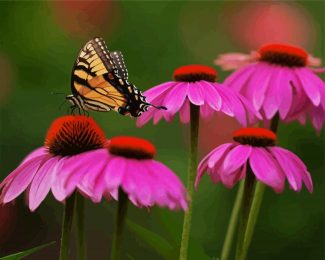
[{"x": 100, "y": 81}]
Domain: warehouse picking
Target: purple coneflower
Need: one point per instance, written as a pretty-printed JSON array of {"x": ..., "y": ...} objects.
[
  {"x": 255, "y": 148},
  {"x": 196, "y": 85},
  {"x": 131, "y": 173},
  {"x": 278, "y": 79},
  {"x": 252, "y": 156},
  {"x": 194, "y": 93},
  {"x": 73, "y": 144},
  {"x": 131, "y": 167}
]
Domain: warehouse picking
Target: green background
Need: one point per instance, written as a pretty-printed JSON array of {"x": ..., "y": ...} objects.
[{"x": 38, "y": 45}]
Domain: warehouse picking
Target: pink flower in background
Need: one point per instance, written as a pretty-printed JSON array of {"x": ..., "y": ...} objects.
[
  {"x": 195, "y": 84},
  {"x": 251, "y": 24},
  {"x": 255, "y": 148},
  {"x": 72, "y": 148},
  {"x": 131, "y": 167},
  {"x": 86, "y": 18},
  {"x": 280, "y": 81}
]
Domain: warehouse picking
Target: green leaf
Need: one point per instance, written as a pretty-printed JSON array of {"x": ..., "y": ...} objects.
[
  {"x": 156, "y": 242},
  {"x": 20, "y": 255}
]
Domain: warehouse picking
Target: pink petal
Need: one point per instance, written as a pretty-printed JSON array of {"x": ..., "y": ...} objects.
[
  {"x": 143, "y": 182},
  {"x": 145, "y": 117},
  {"x": 318, "y": 117},
  {"x": 115, "y": 172},
  {"x": 206, "y": 111},
  {"x": 286, "y": 93},
  {"x": 229, "y": 180},
  {"x": 235, "y": 158},
  {"x": 195, "y": 94},
  {"x": 293, "y": 168},
  {"x": 22, "y": 179},
  {"x": 239, "y": 78},
  {"x": 266, "y": 169},
  {"x": 202, "y": 167},
  {"x": 173, "y": 186},
  {"x": 258, "y": 85},
  {"x": 218, "y": 153},
  {"x": 238, "y": 110},
  {"x": 307, "y": 79},
  {"x": 71, "y": 170},
  {"x": 42, "y": 182},
  {"x": 176, "y": 97},
  {"x": 36, "y": 153},
  {"x": 273, "y": 94},
  {"x": 212, "y": 97},
  {"x": 157, "y": 91},
  {"x": 184, "y": 113},
  {"x": 230, "y": 61},
  {"x": 93, "y": 182}
]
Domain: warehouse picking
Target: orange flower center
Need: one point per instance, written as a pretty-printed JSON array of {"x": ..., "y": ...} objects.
[
  {"x": 192, "y": 73},
  {"x": 131, "y": 147},
  {"x": 70, "y": 135},
  {"x": 285, "y": 55},
  {"x": 255, "y": 137}
]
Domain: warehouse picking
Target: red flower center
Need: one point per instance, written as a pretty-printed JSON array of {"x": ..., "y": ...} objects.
[
  {"x": 131, "y": 147},
  {"x": 192, "y": 73},
  {"x": 255, "y": 136},
  {"x": 284, "y": 55},
  {"x": 70, "y": 135}
]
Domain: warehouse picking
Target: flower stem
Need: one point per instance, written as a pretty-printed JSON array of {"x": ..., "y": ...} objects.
[
  {"x": 251, "y": 204},
  {"x": 120, "y": 223},
  {"x": 226, "y": 248},
  {"x": 254, "y": 211},
  {"x": 193, "y": 154},
  {"x": 80, "y": 220},
  {"x": 66, "y": 227},
  {"x": 246, "y": 202}
]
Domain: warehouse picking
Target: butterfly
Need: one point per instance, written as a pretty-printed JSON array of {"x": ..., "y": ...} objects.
[{"x": 99, "y": 82}]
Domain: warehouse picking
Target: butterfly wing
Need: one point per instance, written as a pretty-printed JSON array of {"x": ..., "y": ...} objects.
[
  {"x": 99, "y": 77},
  {"x": 118, "y": 60}
]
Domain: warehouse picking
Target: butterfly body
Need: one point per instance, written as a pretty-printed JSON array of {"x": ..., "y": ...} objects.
[{"x": 99, "y": 82}]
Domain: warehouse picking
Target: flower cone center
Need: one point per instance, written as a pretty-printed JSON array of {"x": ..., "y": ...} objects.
[
  {"x": 131, "y": 147},
  {"x": 285, "y": 55},
  {"x": 255, "y": 137},
  {"x": 192, "y": 73},
  {"x": 70, "y": 135}
]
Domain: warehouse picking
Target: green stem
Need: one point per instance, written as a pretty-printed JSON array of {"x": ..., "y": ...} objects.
[
  {"x": 227, "y": 245},
  {"x": 193, "y": 154},
  {"x": 246, "y": 202},
  {"x": 80, "y": 220},
  {"x": 255, "y": 209},
  {"x": 120, "y": 223},
  {"x": 66, "y": 227},
  {"x": 251, "y": 205}
]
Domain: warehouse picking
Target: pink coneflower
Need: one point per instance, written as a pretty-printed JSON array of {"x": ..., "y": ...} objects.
[
  {"x": 71, "y": 146},
  {"x": 278, "y": 79},
  {"x": 254, "y": 148},
  {"x": 130, "y": 166},
  {"x": 195, "y": 84}
]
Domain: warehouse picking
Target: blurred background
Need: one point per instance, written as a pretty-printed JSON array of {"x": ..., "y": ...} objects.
[{"x": 38, "y": 45}]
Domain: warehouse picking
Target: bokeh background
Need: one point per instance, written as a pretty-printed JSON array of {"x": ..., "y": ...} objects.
[{"x": 38, "y": 45}]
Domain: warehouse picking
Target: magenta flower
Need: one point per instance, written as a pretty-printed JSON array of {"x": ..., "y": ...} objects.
[
  {"x": 130, "y": 167},
  {"x": 278, "y": 79},
  {"x": 72, "y": 145},
  {"x": 196, "y": 84},
  {"x": 255, "y": 148}
]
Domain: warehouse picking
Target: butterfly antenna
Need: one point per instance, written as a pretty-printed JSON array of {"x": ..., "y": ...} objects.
[{"x": 158, "y": 107}]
